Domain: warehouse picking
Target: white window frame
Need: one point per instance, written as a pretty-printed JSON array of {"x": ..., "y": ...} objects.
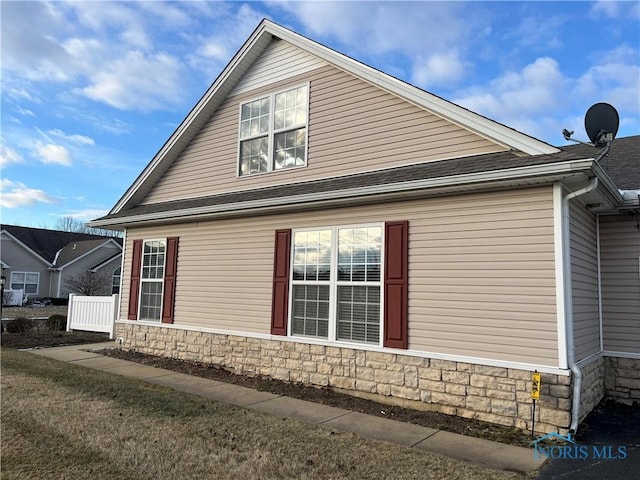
[
  {"x": 152, "y": 280},
  {"x": 334, "y": 283},
  {"x": 272, "y": 132},
  {"x": 119, "y": 277},
  {"x": 24, "y": 284}
]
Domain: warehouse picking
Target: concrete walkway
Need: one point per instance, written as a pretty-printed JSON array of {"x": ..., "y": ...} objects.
[{"x": 470, "y": 449}]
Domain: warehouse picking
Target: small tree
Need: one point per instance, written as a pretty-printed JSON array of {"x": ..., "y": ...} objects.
[{"x": 88, "y": 283}]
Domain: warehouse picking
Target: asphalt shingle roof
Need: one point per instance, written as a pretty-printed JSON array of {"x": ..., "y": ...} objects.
[
  {"x": 47, "y": 243},
  {"x": 622, "y": 164}
]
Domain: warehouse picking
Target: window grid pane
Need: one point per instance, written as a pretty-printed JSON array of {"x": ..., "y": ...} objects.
[
  {"x": 312, "y": 255},
  {"x": 153, "y": 259},
  {"x": 310, "y": 310},
  {"x": 359, "y": 254},
  {"x": 359, "y": 314}
]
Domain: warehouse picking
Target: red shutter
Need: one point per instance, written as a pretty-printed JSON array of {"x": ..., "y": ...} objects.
[
  {"x": 280, "y": 305},
  {"x": 396, "y": 284},
  {"x": 169, "y": 296},
  {"x": 134, "y": 289}
]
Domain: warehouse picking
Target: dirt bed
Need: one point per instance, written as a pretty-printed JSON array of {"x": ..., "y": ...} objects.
[{"x": 326, "y": 396}]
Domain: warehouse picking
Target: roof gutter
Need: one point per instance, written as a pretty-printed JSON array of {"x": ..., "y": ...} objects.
[
  {"x": 568, "y": 301},
  {"x": 533, "y": 175}
]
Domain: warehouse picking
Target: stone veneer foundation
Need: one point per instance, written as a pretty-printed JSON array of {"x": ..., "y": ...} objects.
[
  {"x": 622, "y": 381},
  {"x": 491, "y": 394}
]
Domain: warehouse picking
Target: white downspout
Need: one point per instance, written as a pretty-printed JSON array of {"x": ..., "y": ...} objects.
[{"x": 568, "y": 301}]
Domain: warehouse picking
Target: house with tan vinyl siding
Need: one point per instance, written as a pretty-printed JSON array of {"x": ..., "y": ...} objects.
[{"x": 315, "y": 220}]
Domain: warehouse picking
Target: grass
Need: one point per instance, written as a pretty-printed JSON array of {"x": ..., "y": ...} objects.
[{"x": 64, "y": 421}]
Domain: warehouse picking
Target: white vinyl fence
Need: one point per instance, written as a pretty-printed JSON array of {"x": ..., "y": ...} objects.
[
  {"x": 93, "y": 314},
  {"x": 13, "y": 298}
]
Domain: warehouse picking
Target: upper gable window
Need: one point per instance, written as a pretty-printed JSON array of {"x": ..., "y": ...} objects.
[{"x": 273, "y": 132}]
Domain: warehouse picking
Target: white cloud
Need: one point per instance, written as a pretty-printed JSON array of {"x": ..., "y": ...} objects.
[
  {"x": 380, "y": 27},
  {"x": 74, "y": 138},
  {"x": 8, "y": 156},
  {"x": 605, "y": 8},
  {"x": 52, "y": 153},
  {"x": 438, "y": 69},
  {"x": 25, "y": 112},
  {"x": 86, "y": 215},
  {"x": 17, "y": 194},
  {"x": 138, "y": 82}
]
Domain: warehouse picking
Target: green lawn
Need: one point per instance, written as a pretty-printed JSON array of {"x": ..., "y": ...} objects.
[{"x": 64, "y": 421}]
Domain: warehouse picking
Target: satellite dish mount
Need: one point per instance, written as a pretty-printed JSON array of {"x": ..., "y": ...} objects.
[{"x": 601, "y": 123}]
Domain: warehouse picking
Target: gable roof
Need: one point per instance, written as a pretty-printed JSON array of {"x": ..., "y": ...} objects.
[
  {"x": 622, "y": 164},
  {"x": 74, "y": 251},
  {"x": 255, "y": 45},
  {"x": 46, "y": 243}
]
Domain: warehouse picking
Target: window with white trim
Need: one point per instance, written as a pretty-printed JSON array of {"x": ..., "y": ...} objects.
[
  {"x": 273, "y": 132},
  {"x": 152, "y": 279},
  {"x": 115, "y": 280},
  {"x": 336, "y": 283},
  {"x": 25, "y": 281}
]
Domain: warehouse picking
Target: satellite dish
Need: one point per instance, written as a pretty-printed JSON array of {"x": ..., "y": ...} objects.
[{"x": 601, "y": 123}]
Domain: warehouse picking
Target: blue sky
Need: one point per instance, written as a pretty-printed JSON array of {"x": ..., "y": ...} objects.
[{"x": 91, "y": 90}]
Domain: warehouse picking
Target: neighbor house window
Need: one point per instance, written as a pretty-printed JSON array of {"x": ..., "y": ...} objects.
[
  {"x": 273, "y": 132},
  {"x": 115, "y": 280},
  {"x": 335, "y": 283},
  {"x": 26, "y": 281},
  {"x": 152, "y": 279}
]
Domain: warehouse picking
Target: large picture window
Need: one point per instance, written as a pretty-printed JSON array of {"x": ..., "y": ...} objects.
[
  {"x": 336, "y": 282},
  {"x": 152, "y": 279},
  {"x": 26, "y": 281},
  {"x": 273, "y": 132}
]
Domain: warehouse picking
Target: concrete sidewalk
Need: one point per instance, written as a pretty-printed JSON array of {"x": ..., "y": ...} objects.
[{"x": 470, "y": 449}]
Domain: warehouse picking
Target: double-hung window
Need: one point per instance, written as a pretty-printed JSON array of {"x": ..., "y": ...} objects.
[
  {"x": 152, "y": 279},
  {"x": 25, "y": 281},
  {"x": 273, "y": 132},
  {"x": 336, "y": 283}
]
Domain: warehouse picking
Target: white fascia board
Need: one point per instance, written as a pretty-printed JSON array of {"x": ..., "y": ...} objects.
[
  {"x": 370, "y": 348},
  {"x": 26, "y": 247},
  {"x": 491, "y": 129},
  {"x": 106, "y": 262},
  {"x": 441, "y": 185}
]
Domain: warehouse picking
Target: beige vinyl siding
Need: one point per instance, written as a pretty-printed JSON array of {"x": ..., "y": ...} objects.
[
  {"x": 353, "y": 127},
  {"x": 584, "y": 280},
  {"x": 481, "y": 271},
  {"x": 620, "y": 279},
  {"x": 279, "y": 61}
]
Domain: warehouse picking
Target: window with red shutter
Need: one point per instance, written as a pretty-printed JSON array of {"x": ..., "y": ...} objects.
[
  {"x": 331, "y": 280},
  {"x": 280, "y": 305},
  {"x": 134, "y": 288}
]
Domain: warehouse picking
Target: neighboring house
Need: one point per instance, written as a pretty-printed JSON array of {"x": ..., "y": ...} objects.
[
  {"x": 39, "y": 261},
  {"x": 318, "y": 221}
]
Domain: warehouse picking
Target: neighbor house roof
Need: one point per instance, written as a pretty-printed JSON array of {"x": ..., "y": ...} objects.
[
  {"x": 255, "y": 45},
  {"x": 47, "y": 243},
  {"x": 75, "y": 250}
]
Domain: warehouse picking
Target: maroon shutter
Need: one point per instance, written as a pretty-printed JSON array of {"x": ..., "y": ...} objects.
[
  {"x": 169, "y": 295},
  {"x": 396, "y": 284},
  {"x": 280, "y": 305},
  {"x": 134, "y": 289}
]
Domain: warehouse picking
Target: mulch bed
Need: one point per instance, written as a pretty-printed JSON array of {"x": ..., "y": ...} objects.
[{"x": 326, "y": 396}]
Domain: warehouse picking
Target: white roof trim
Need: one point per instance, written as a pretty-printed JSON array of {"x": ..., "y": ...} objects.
[
  {"x": 535, "y": 174},
  {"x": 88, "y": 252},
  {"x": 252, "y": 48}
]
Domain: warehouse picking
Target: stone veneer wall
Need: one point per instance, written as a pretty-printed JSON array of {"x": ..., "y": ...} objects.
[
  {"x": 622, "y": 380},
  {"x": 491, "y": 394},
  {"x": 592, "y": 389}
]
